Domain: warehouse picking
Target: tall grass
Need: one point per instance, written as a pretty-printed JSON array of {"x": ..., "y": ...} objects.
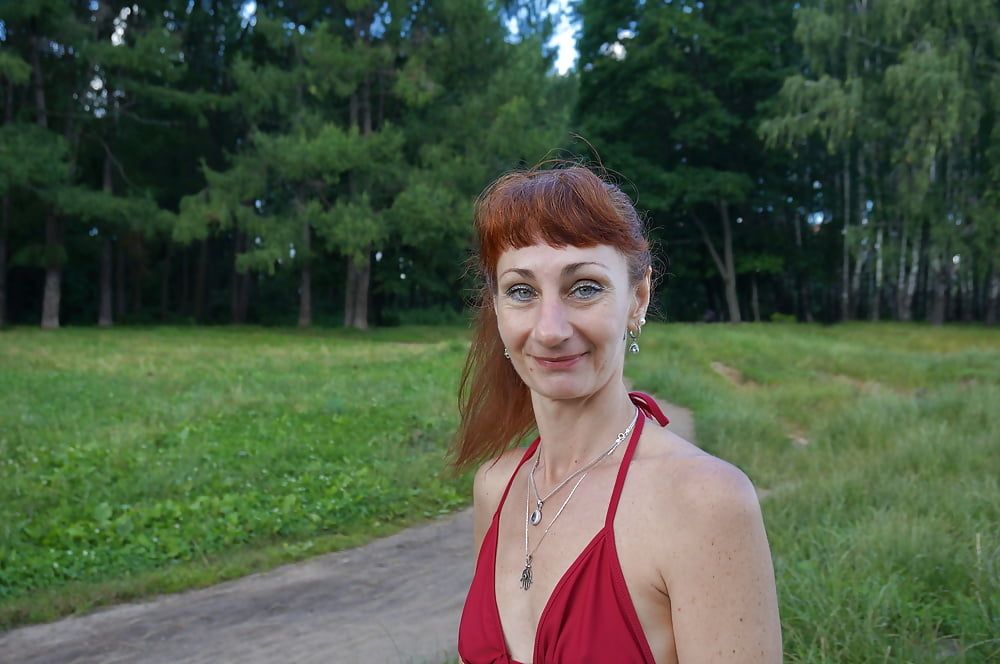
[
  {"x": 138, "y": 461},
  {"x": 878, "y": 447}
]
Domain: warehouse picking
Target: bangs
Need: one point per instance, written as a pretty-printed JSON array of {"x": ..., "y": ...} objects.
[{"x": 561, "y": 207}]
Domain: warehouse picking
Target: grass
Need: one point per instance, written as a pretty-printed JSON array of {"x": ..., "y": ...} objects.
[
  {"x": 878, "y": 449},
  {"x": 139, "y": 461}
]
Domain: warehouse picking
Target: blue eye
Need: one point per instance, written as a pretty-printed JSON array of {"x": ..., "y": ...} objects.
[
  {"x": 587, "y": 291},
  {"x": 520, "y": 293}
]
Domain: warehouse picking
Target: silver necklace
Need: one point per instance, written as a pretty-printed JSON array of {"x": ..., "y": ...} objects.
[
  {"x": 527, "y": 575},
  {"x": 536, "y": 516}
]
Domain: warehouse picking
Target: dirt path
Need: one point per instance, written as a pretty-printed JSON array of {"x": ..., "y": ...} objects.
[{"x": 394, "y": 601}]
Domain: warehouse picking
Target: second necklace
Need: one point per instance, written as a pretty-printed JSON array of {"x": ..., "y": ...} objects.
[
  {"x": 536, "y": 516},
  {"x": 527, "y": 574}
]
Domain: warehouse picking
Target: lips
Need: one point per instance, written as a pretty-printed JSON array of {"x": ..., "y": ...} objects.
[{"x": 560, "y": 362}]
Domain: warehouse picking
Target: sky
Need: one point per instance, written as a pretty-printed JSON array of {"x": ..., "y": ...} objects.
[{"x": 564, "y": 39}]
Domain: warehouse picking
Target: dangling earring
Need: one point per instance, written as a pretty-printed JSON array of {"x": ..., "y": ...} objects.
[
  {"x": 634, "y": 346},
  {"x": 506, "y": 353}
]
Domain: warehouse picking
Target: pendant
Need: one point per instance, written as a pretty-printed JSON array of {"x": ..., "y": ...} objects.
[
  {"x": 536, "y": 516},
  {"x": 526, "y": 574}
]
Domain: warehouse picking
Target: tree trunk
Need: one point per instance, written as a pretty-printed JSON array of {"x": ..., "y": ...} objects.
[
  {"x": 5, "y": 216},
  {"x": 359, "y": 276},
  {"x": 53, "y": 272},
  {"x": 120, "y": 279},
  {"x": 901, "y": 273},
  {"x": 874, "y": 309},
  {"x": 350, "y": 289},
  {"x": 910, "y": 288},
  {"x": 968, "y": 297},
  {"x": 184, "y": 306},
  {"x": 803, "y": 305},
  {"x": 732, "y": 300},
  {"x": 305, "y": 283},
  {"x": 104, "y": 318},
  {"x": 855, "y": 291},
  {"x": 199, "y": 284},
  {"x": 845, "y": 301},
  {"x": 366, "y": 106},
  {"x": 138, "y": 272},
  {"x": 245, "y": 281},
  {"x": 358, "y": 269},
  {"x": 940, "y": 274},
  {"x": 954, "y": 292},
  {"x": 53, "y": 230},
  {"x": 992, "y": 296},
  {"x": 249, "y": 279},
  {"x": 165, "y": 270},
  {"x": 754, "y": 302},
  {"x": 4, "y": 225},
  {"x": 724, "y": 264},
  {"x": 237, "y": 281}
]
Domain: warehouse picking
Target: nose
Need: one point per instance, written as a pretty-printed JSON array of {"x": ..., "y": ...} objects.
[{"x": 552, "y": 326}]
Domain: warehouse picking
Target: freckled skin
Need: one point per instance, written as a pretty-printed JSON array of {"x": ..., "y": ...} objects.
[{"x": 688, "y": 530}]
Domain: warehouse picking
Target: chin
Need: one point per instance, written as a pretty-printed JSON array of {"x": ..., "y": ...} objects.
[{"x": 562, "y": 387}]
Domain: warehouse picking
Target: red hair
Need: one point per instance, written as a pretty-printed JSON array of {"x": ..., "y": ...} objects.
[{"x": 569, "y": 206}]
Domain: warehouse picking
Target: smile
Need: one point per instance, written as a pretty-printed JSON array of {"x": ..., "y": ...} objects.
[{"x": 563, "y": 362}]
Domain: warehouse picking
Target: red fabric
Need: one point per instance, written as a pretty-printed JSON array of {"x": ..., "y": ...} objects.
[{"x": 589, "y": 617}]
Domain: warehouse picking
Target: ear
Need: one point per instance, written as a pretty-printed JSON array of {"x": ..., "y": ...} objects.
[{"x": 640, "y": 296}]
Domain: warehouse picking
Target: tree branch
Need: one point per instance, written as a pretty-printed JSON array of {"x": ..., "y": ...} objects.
[{"x": 708, "y": 243}]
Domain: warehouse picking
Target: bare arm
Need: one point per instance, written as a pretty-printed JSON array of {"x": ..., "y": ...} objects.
[
  {"x": 482, "y": 513},
  {"x": 487, "y": 487},
  {"x": 720, "y": 579}
]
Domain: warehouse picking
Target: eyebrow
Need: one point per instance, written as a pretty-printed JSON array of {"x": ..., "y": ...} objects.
[{"x": 569, "y": 269}]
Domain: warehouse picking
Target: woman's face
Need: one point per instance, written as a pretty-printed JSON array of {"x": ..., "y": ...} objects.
[{"x": 562, "y": 313}]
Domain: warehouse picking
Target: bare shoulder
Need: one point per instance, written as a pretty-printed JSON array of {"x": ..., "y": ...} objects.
[
  {"x": 707, "y": 486},
  {"x": 684, "y": 476},
  {"x": 492, "y": 476},
  {"x": 704, "y": 529},
  {"x": 686, "y": 497}
]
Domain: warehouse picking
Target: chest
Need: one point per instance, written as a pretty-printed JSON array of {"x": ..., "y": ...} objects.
[{"x": 574, "y": 539}]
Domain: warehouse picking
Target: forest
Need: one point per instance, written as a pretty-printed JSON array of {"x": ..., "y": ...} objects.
[{"x": 305, "y": 162}]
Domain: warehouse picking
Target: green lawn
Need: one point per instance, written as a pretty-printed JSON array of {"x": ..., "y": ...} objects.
[
  {"x": 880, "y": 447},
  {"x": 135, "y": 461}
]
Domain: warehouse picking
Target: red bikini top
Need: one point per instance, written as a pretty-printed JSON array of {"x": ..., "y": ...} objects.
[{"x": 589, "y": 617}]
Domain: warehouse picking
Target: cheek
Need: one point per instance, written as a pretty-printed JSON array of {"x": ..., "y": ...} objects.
[
  {"x": 513, "y": 324},
  {"x": 607, "y": 327}
]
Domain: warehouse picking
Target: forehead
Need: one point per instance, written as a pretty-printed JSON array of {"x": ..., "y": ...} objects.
[{"x": 545, "y": 259}]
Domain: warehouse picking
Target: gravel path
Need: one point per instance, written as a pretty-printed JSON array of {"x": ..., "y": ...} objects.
[{"x": 395, "y": 601}]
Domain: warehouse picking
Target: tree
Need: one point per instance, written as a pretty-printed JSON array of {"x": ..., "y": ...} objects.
[
  {"x": 669, "y": 93},
  {"x": 368, "y": 133},
  {"x": 902, "y": 92},
  {"x": 13, "y": 156}
]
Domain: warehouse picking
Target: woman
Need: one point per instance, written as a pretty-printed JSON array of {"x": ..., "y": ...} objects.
[{"x": 633, "y": 545}]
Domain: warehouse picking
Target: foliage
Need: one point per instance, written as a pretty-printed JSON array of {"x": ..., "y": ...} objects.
[
  {"x": 903, "y": 93},
  {"x": 225, "y": 161},
  {"x": 691, "y": 76}
]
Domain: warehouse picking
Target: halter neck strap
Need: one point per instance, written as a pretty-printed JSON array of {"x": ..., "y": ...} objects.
[{"x": 648, "y": 408}]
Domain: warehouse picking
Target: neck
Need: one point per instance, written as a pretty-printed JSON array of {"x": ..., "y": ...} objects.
[{"x": 575, "y": 431}]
